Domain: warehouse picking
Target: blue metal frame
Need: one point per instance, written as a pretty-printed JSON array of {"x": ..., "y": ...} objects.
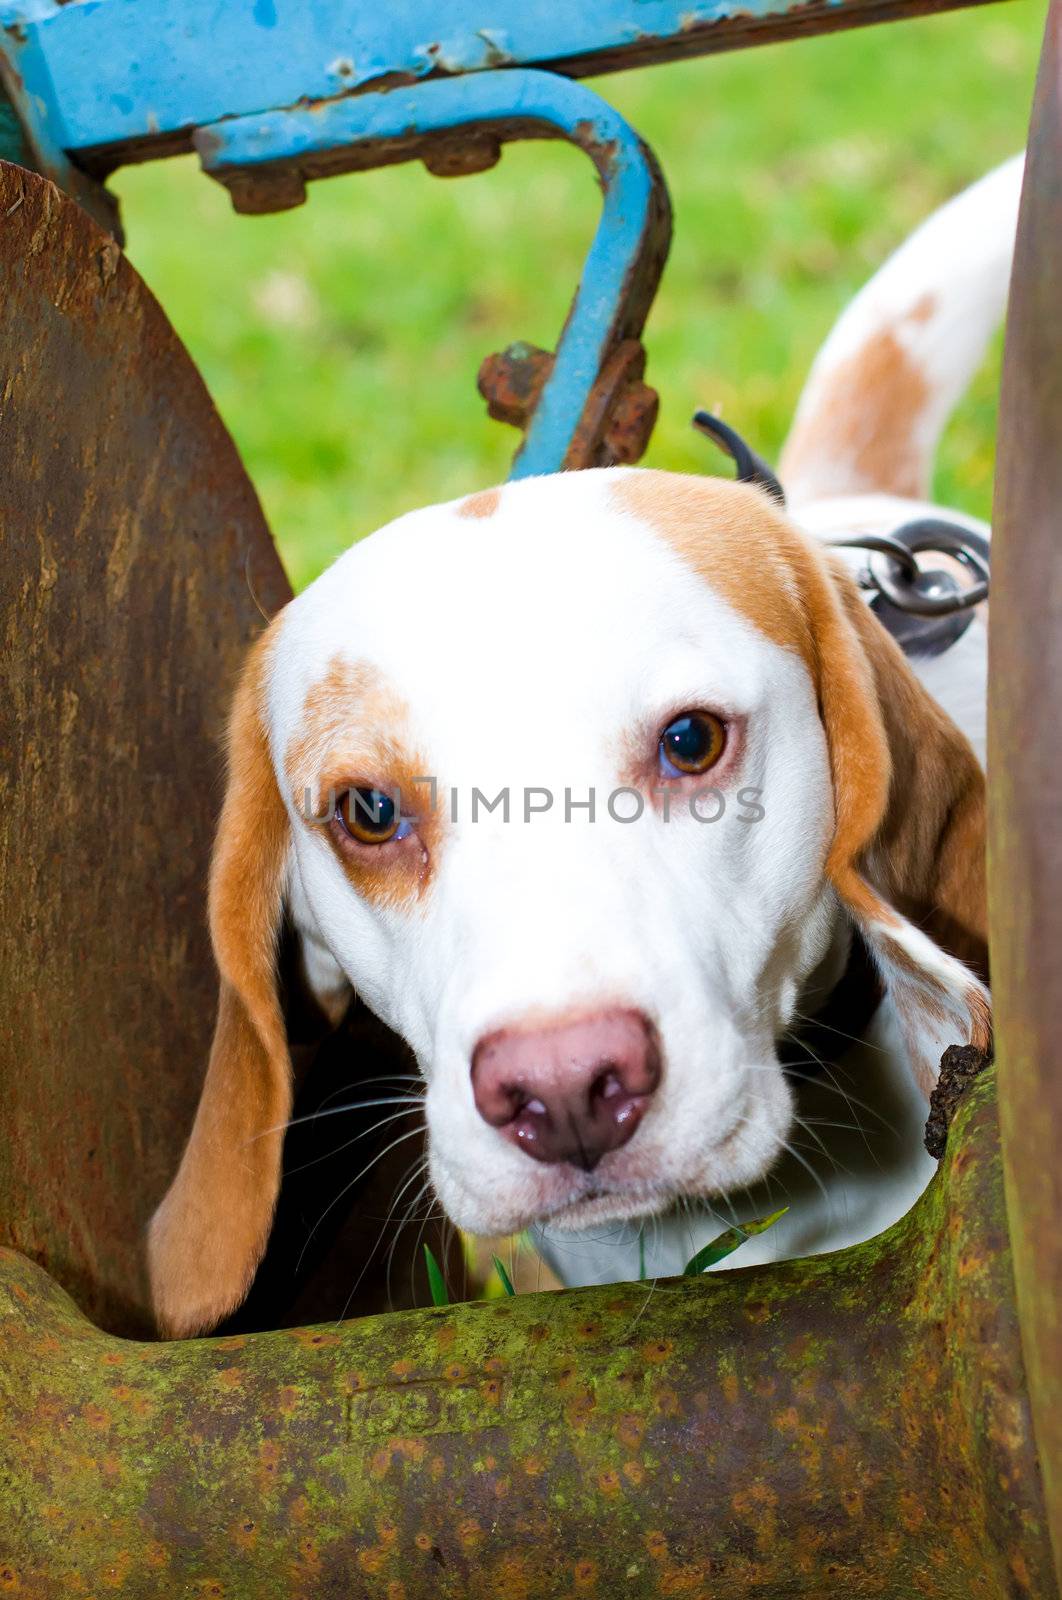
[
  {"x": 628, "y": 247},
  {"x": 273, "y": 92},
  {"x": 107, "y": 72}
]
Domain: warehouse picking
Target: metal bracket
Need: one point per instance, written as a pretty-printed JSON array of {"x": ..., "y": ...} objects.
[
  {"x": 32, "y": 134},
  {"x": 458, "y": 125}
]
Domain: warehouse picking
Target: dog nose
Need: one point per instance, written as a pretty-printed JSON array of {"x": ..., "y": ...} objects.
[{"x": 571, "y": 1092}]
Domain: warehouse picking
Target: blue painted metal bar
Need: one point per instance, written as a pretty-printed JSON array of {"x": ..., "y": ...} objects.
[
  {"x": 629, "y": 247},
  {"x": 123, "y": 73},
  {"x": 36, "y": 139},
  {"x": 273, "y": 92}
]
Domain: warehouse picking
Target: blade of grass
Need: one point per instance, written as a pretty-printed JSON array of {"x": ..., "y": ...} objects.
[
  {"x": 503, "y": 1277},
  {"x": 641, "y": 1254},
  {"x": 436, "y": 1281},
  {"x": 726, "y": 1243}
]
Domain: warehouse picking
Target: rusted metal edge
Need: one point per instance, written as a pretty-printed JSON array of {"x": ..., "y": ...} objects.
[
  {"x": 853, "y": 1423},
  {"x": 1025, "y": 770}
]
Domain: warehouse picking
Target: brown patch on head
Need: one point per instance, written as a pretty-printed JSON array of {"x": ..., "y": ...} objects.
[
  {"x": 735, "y": 537},
  {"x": 483, "y": 504},
  {"x": 909, "y": 829},
  {"x": 355, "y": 732},
  {"x": 752, "y": 556},
  {"x": 349, "y": 708}
]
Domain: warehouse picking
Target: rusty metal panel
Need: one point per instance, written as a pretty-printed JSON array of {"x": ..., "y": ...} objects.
[
  {"x": 1025, "y": 767},
  {"x": 134, "y": 561},
  {"x": 855, "y": 1424}
]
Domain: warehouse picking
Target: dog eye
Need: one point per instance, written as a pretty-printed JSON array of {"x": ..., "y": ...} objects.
[
  {"x": 691, "y": 744},
  {"x": 371, "y": 816}
]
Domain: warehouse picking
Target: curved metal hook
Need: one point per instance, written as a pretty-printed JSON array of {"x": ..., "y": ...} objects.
[{"x": 751, "y": 468}]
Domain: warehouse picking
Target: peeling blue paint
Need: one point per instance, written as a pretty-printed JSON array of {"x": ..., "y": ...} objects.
[
  {"x": 257, "y": 81},
  {"x": 198, "y": 61}
]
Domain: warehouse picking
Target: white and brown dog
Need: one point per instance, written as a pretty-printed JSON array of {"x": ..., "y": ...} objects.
[{"x": 621, "y": 760}]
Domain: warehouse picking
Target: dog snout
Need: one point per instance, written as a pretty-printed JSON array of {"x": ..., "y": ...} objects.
[{"x": 570, "y": 1092}]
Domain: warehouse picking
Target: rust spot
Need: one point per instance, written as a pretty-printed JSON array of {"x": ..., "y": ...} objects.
[
  {"x": 630, "y": 1430},
  {"x": 667, "y": 1402},
  {"x": 314, "y": 1338},
  {"x": 244, "y": 1533},
  {"x": 413, "y": 1450},
  {"x": 580, "y": 1411}
]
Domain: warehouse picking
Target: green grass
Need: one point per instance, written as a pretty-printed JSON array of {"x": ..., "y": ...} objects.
[{"x": 341, "y": 341}]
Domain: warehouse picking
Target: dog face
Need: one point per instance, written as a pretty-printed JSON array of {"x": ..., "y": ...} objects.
[
  {"x": 615, "y": 755},
  {"x": 574, "y": 639}
]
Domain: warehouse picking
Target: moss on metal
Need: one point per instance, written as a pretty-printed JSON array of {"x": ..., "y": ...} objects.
[{"x": 853, "y": 1424}]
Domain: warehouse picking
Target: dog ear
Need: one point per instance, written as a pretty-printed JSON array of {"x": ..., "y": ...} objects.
[
  {"x": 210, "y": 1231},
  {"x": 908, "y": 852}
]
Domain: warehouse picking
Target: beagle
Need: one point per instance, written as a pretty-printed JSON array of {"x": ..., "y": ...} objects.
[{"x": 587, "y": 785}]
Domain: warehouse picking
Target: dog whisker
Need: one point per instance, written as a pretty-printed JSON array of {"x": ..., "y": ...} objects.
[
  {"x": 417, "y": 1168},
  {"x": 410, "y": 1134},
  {"x": 335, "y": 1111},
  {"x": 820, "y": 1144},
  {"x": 828, "y": 1027},
  {"x": 407, "y": 1111},
  {"x": 809, "y": 1169}
]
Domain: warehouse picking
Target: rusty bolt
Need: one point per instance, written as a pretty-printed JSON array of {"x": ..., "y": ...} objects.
[
  {"x": 254, "y": 194},
  {"x": 512, "y": 381},
  {"x": 630, "y": 426},
  {"x": 458, "y": 157},
  {"x": 619, "y": 417}
]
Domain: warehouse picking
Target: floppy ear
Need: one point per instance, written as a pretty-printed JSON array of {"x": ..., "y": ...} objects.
[
  {"x": 908, "y": 853},
  {"x": 210, "y": 1231}
]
